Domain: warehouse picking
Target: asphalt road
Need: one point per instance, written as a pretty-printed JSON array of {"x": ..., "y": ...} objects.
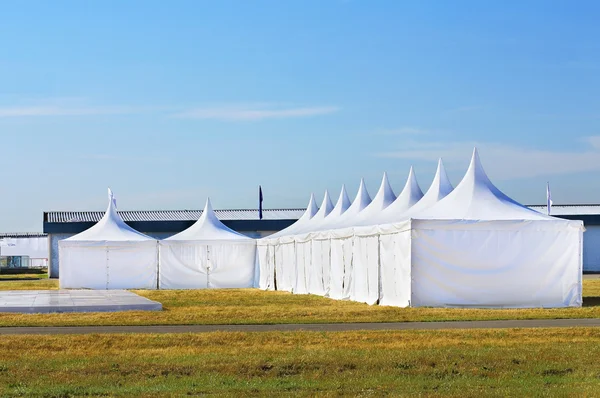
[{"x": 327, "y": 327}]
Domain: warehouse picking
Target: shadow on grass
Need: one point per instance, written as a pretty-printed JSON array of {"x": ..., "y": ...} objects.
[
  {"x": 591, "y": 301},
  {"x": 23, "y": 279}
]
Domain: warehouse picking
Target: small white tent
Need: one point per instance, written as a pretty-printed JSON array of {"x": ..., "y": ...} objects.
[
  {"x": 109, "y": 255},
  {"x": 207, "y": 255}
]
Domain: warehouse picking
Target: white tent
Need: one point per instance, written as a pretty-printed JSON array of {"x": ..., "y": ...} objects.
[
  {"x": 479, "y": 248},
  {"x": 280, "y": 248},
  {"x": 384, "y": 197},
  {"x": 207, "y": 255},
  {"x": 410, "y": 195},
  {"x": 310, "y": 212},
  {"x": 468, "y": 247},
  {"x": 440, "y": 188},
  {"x": 109, "y": 255},
  {"x": 337, "y": 219}
]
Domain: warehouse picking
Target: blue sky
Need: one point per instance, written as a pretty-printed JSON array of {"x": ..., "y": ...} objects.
[{"x": 170, "y": 102}]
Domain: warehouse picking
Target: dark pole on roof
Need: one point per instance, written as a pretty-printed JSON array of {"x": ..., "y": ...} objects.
[{"x": 260, "y": 202}]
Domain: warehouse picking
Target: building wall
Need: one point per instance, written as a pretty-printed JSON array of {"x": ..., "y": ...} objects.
[
  {"x": 53, "y": 244},
  {"x": 54, "y": 238},
  {"x": 591, "y": 248}
]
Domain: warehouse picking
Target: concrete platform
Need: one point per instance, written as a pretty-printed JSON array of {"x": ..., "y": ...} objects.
[{"x": 47, "y": 301}]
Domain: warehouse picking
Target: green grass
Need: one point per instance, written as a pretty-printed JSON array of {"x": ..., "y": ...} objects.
[
  {"x": 252, "y": 306},
  {"x": 455, "y": 363}
]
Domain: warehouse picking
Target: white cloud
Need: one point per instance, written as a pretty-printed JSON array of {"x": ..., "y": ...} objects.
[
  {"x": 407, "y": 130},
  {"x": 255, "y": 112},
  {"x": 60, "y": 110},
  {"x": 463, "y": 109},
  {"x": 506, "y": 161}
]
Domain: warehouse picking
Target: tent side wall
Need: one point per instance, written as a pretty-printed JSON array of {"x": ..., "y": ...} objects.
[
  {"x": 208, "y": 264},
  {"x": 501, "y": 264},
  {"x": 396, "y": 266},
  {"x": 108, "y": 265}
]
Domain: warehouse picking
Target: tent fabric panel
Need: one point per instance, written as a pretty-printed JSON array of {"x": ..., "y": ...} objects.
[
  {"x": 265, "y": 271},
  {"x": 231, "y": 266},
  {"x": 318, "y": 277},
  {"x": 285, "y": 263},
  {"x": 132, "y": 267},
  {"x": 395, "y": 258},
  {"x": 303, "y": 259},
  {"x": 183, "y": 265},
  {"x": 365, "y": 271},
  {"x": 83, "y": 267},
  {"x": 520, "y": 265}
]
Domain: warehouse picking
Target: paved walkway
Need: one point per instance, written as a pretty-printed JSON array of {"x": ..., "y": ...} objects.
[
  {"x": 47, "y": 301},
  {"x": 327, "y": 327}
]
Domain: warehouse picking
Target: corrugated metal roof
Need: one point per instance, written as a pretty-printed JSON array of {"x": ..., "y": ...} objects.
[
  {"x": 569, "y": 210},
  {"x": 22, "y": 235},
  {"x": 245, "y": 214},
  {"x": 172, "y": 215}
]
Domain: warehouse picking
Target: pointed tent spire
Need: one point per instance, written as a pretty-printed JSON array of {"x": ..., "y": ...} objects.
[
  {"x": 311, "y": 209},
  {"x": 411, "y": 194},
  {"x": 385, "y": 196},
  {"x": 440, "y": 187},
  {"x": 476, "y": 198},
  {"x": 310, "y": 212},
  {"x": 441, "y": 184},
  {"x": 342, "y": 204},
  {"x": 361, "y": 201},
  {"x": 111, "y": 227},
  {"x": 208, "y": 227},
  {"x": 326, "y": 206},
  {"x": 319, "y": 216}
]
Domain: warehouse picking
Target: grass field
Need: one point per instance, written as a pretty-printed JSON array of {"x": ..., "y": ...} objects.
[
  {"x": 514, "y": 362},
  {"x": 251, "y": 306}
]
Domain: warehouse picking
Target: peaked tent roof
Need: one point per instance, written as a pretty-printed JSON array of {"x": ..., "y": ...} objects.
[
  {"x": 361, "y": 202},
  {"x": 410, "y": 195},
  {"x": 208, "y": 227},
  {"x": 325, "y": 209},
  {"x": 111, "y": 228},
  {"x": 343, "y": 203},
  {"x": 440, "y": 187},
  {"x": 476, "y": 198},
  {"x": 385, "y": 197},
  {"x": 310, "y": 212}
]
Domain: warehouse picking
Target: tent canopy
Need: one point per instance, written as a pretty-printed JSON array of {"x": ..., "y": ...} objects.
[
  {"x": 361, "y": 202},
  {"x": 310, "y": 212},
  {"x": 111, "y": 228},
  {"x": 476, "y": 198},
  {"x": 410, "y": 195},
  {"x": 208, "y": 227},
  {"x": 343, "y": 203},
  {"x": 324, "y": 211},
  {"x": 440, "y": 187},
  {"x": 384, "y": 197}
]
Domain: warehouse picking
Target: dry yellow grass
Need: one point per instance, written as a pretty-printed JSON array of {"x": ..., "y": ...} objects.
[
  {"x": 251, "y": 306},
  {"x": 456, "y": 363}
]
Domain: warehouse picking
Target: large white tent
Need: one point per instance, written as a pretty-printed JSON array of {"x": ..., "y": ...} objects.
[
  {"x": 207, "y": 255},
  {"x": 109, "y": 255},
  {"x": 478, "y": 247},
  {"x": 468, "y": 247}
]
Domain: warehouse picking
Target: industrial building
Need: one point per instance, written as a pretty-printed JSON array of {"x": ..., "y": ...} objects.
[
  {"x": 161, "y": 224},
  {"x": 23, "y": 250}
]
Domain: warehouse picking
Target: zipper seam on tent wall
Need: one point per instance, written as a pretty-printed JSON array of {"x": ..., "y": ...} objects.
[{"x": 107, "y": 267}]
